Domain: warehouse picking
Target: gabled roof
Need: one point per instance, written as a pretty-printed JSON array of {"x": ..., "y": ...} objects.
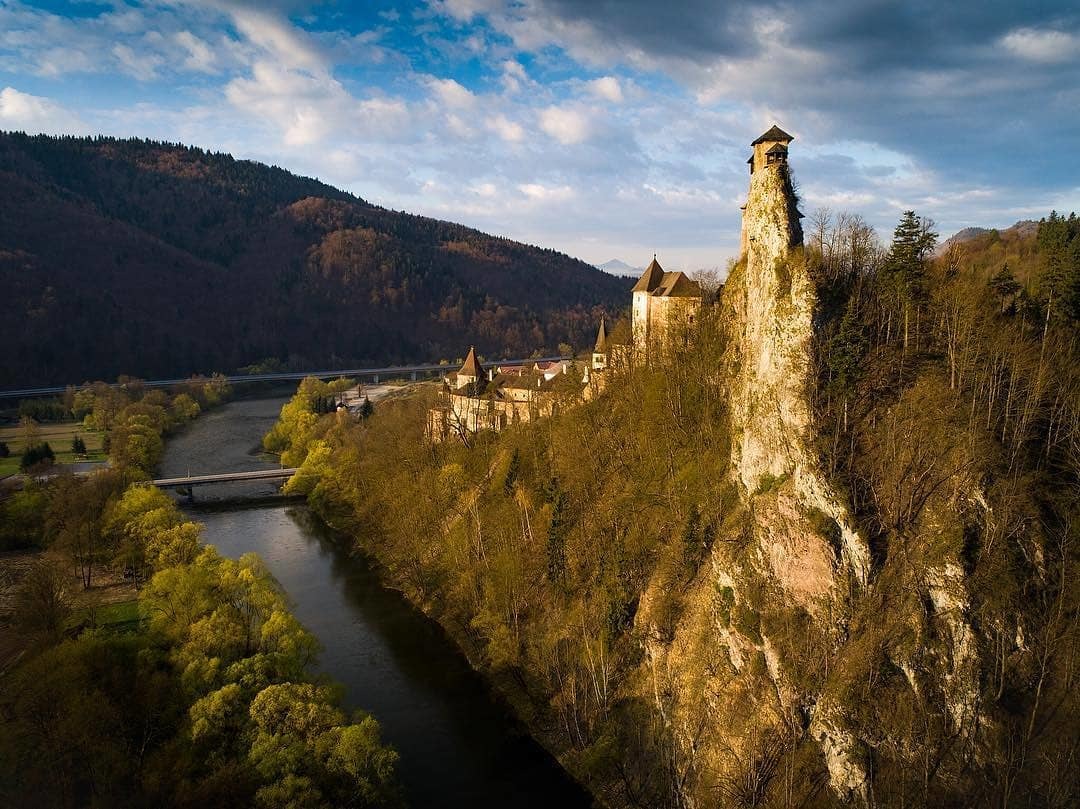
[
  {"x": 601, "y": 339},
  {"x": 471, "y": 366},
  {"x": 651, "y": 278},
  {"x": 775, "y": 133},
  {"x": 677, "y": 285},
  {"x": 777, "y": 148}
]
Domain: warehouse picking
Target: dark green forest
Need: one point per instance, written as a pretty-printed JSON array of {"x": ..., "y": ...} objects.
[{"x": 160, "y": 260}]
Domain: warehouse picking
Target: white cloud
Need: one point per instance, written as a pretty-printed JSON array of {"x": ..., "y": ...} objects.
[
  {"x": 568, "y": 125},
  {"x": 452, "y": 94},
  {"x": 201, "y": 58},
  {"x": 36, "y": 115},
  {"x": 506, "y": 129},
  {"x": 142, "y": 66},
  {"x": 606, "y": 87},
  {"x": 513, "y": 76},
  {"x": 1042, "y": 45},
  {"x": 308, "y": 108},
  {"x": 546, "y": 193},
  {"x": 289, "y": 45}
]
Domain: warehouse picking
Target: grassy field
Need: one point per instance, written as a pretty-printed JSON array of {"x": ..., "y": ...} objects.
[
  {"x": 58, "y": 437},
  {"x": 122, "y": 616}
]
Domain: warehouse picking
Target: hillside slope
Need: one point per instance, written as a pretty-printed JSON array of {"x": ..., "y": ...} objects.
[
  {"x": 807, "y": 558},
  {"x": 156, "y": 260}
]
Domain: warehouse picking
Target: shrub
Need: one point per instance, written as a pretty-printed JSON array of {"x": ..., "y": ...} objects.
[{"x": 37, "y": 455}]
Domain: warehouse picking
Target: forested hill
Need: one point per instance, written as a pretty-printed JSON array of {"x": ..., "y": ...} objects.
[{"x": 153, "y": 259}]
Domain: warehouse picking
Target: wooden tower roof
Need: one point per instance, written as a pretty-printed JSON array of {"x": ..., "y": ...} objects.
[
  {"x": 651, "y": 278},
  {"x": 775, "y": 133},
  {"x": 471, "y": 366}
]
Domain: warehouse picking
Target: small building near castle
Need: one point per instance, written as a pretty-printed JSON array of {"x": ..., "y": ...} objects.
[
  {"x": 475, "y": 399},
  {"x": 664, "y": 305}
]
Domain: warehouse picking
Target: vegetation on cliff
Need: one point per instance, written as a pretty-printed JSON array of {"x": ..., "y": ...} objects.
[
  {"x": 200, "y": 262},
  {"x": 608, "y": 564}
]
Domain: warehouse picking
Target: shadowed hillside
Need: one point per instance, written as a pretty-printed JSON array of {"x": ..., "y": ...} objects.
[{"x": 157, "y": 260}]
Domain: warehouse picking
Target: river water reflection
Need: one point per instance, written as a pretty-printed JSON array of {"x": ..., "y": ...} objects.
[{"x": 458, "y": 745}]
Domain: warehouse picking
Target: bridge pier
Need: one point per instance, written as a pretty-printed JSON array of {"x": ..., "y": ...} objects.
[
  {"x": 414, "y": 376},
  {"x": 376, "y": 382}
]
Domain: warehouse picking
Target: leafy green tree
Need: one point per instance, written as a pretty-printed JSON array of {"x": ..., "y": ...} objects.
[
  {"x": 22, "y": 517},
  {"x": 185, "y": 408},
  {"x": 43, "y": 603},
  {"x": 304, "y": 747}
]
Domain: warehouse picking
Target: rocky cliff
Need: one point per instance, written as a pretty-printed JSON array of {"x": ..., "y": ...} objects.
[{"x": 780, "y": 584}]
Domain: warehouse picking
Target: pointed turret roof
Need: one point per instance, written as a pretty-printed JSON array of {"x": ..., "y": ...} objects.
[
  {"x": 601, "y": 339},
  {"x": 651, "y": 278},
  {"x": 471, "y": 366},
  {"x": 776, "y": 133}
]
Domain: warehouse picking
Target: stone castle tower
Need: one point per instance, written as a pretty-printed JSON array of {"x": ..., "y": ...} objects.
[{"x": 770, "y": 217}]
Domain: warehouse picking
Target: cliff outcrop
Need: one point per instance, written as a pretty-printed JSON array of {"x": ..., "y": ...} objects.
[{"x": 779, "y": 587}]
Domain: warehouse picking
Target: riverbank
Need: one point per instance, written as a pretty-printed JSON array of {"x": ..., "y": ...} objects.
[{"x": 459, "y": 740}]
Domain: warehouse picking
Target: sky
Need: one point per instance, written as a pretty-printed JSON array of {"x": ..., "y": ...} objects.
[{"x": 603, "y": 129}]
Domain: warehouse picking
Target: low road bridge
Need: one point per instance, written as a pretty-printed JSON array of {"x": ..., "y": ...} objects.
[
  {"x": 412, "y": 372},
  {"x": 223, "y": 477}
]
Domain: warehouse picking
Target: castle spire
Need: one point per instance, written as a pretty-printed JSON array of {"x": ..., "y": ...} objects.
[
  {"x": 471, "y": 366},
  {"x": 601, "y": 339}
]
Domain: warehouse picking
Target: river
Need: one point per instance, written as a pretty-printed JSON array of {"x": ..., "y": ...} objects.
[{"x": 459, "y": 745}]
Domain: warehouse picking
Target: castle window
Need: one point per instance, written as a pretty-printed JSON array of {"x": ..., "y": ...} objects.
[{"x": 777, "y": 154}]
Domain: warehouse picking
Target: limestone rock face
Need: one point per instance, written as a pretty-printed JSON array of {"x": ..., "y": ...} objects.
[
  {"x": 772, "y": 302},
  {"x": 737, "y": 665}
]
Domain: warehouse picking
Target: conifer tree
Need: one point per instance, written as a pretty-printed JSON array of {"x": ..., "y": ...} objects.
[
  {"x": 913, "y": 242},
  {"x": 1004, "y": 284}
]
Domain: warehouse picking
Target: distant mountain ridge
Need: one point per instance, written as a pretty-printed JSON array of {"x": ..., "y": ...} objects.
[
  {"x": 618, "y": 267},
  {"x": 1021, "y": 230},
  {"x": 153, "y": 259}
]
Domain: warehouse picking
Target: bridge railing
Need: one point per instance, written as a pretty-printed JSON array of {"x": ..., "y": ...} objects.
[{"x": 224, "y": 477}]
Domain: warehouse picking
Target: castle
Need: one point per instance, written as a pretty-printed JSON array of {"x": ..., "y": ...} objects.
[
  {"x": 664, "y": 303},
  {"x": 473, "y": 399},
  {"x": 664, "y": 308}
]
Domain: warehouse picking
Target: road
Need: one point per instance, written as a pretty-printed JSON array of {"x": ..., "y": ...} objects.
[{"x": 390, "y": 372}]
